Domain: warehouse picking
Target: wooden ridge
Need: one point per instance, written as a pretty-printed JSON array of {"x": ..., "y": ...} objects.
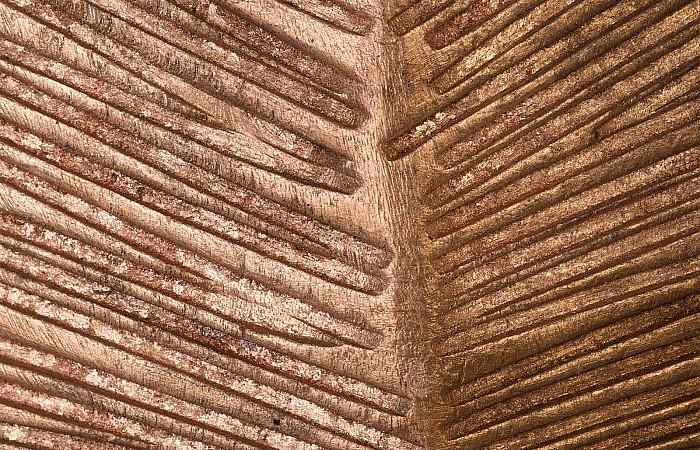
[{"x": 350, "y": 224}]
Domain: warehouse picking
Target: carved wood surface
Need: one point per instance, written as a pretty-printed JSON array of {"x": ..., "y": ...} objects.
[{"x": 349, "y": 224}]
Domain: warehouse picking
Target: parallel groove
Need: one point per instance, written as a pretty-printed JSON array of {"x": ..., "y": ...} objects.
[
  {"x": 655, "y": 430},
  {"x": 212, "y": 62},
  {"x": 27, "y": 417},
  {"x": 43, "y": 439},
  {"x": 475, "y": 14},
  {"x": 153, "y": 96},
  {"x": 612, "y": 419},
  {"x": 534, "y": 76},
  {"x": 113, "y": 180},
  {"x": 139, "y": 143},
  {"x": 88, "y": 416},
  {"x": 588, "y": 110},
  {"x": 219, "y": 189},
  {"x": 298, "y": 224},
  {"x": 323, "y": 321},
  {"x": 102, "y": 46},
  {"x": 95, "y": 329},
  {"x": 596, "y": 153},
  {"x": 171, "y": 322},
  {"x": 323, "y": 234},
  {"x": 539, "y": 266},
  {"x": 170, "y": 121},
  {"x": 674, "y": 373},
  {"x": 223, "y": 308},
  {"x": 529, "y": 16},
  {"x": 613, "y": 372},
  {"x": 106, "y": 384},
  {"x": 588, "y": 352},
  {"x": 554, "y": 95},
  {"x": 329, "y": 269},
  {"x": 335, "y": 12},
  {"x": 57, "y": 391},
  {"x": 558, "y": 166},
  {"x": 225, "y": 16}
]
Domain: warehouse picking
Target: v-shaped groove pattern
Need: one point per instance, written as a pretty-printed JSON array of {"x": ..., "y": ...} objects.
[{"x": 349, "y": 224}]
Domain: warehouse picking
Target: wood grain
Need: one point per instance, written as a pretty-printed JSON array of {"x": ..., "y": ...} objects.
[{"x": 349, "y": 224}]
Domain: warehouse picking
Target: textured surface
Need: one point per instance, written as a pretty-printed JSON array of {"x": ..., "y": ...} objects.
[{"x": 453, "y": 224}]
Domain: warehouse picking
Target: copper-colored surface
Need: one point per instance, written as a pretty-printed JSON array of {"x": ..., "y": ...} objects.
[{"x": 349, "y": 224}]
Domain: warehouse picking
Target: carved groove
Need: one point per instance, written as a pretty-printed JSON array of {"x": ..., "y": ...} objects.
[{"x": 350, "y": 224}]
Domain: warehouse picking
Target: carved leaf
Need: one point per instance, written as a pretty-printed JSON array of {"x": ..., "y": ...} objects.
[{"x": 395, "y": 224}]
